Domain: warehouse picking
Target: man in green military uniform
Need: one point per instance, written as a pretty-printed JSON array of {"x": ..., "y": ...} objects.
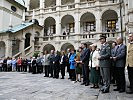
[{"x": 104, "y": 62}]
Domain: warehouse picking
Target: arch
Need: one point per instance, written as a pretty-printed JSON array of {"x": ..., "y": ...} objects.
[
  {"x": 66, "y": 46},
  {"x": 65, "y": 2},
  {"x": 27, "y": 40},
  {"x": 68, "y": 24},
  {"x": 48, "y": 47},
  {"x": 34, "y": 4},
  {"x": 110, "y": 21},
  {"x": 88, "y": 22},
  {"x": 2, "y": 49},
  {"x": 50, "y": 3},
  {"x": 50, "y": 26}
]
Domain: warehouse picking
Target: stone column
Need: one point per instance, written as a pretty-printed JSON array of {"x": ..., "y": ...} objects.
[
  {"x": 27, "y": 4},
  {"x": 58, "y": 4},
  {"x": 58, "y": 26},
  {"x": 33, "y": 14},
  {"x": 8, "y": 52},
  {"x": 77, "y": 23},
  {"x": 98, "y": 21},
  {"x": 42, "y": 5},
  {"x": 22, "y": 44},
  {"x": 77, "y": 3}
]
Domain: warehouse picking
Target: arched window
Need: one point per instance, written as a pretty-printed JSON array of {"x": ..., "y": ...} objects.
[{"x": 27, "y": 40}]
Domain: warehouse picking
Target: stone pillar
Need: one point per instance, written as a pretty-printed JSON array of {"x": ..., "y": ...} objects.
[
  {"x": 27, "y": 4},
  {"x": 33, "y": 15},
  {"x": 22, "y": 44},
  {"x": 58, "y": 26},
  {"x": 98, "y": 21},
  {"x": 77, "y": 23},
  {"x": 42, "y": 4},
  {"x": 23, "y": 16},
  {"x": 8, "y": 52},
  {"x": 58, "y": 4},
  {"x": 77, "y": 3}
]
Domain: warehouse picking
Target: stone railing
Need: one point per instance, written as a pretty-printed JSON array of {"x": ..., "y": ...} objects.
[
  {"x": 86, "y": 4},
  {"x": 27, "y": 50},
  {"x": 80, "y": 37},
  {"x": 68, "y": 7}
]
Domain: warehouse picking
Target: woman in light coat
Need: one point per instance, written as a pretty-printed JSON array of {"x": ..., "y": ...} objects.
[
  {"x": 94, "y": 65},
  {"x": 46, "y": 63}
]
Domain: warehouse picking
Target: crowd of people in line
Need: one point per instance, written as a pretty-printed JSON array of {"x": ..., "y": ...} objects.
[{"x": 98, "y": 66}]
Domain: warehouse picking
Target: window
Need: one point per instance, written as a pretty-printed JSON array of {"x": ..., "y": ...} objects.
[
  {"x": 52, "y": 29},
  {"x": 13, "y": 8},
  {"x": 89, "y": 26},
  {"x": 70, "y": 28},
  {"x": 110, "y": 25}
]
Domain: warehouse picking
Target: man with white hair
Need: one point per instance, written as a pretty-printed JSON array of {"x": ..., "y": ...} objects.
[{"x": 120, "y": 61}]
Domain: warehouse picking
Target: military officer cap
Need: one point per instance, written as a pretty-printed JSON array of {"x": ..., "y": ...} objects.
[{"x": 102, "y": 36}]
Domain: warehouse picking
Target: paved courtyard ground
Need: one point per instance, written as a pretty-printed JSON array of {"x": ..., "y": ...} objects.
[{"x": 26, "y": 86}]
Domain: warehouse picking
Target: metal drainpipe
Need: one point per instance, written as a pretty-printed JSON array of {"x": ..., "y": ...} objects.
[{"x": 121, "y": 2}]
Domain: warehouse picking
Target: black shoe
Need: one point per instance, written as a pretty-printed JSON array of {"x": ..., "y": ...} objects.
[
  {"x": 129, "y": 92},
  {"x": 128, "y": 86},
  {"x": 82, "y": 83},
  {"x": 116, "y": 89},
  {"x": 114, "y": 85},
  {"x": 87, "y": 84},
  {"x": 105, "y": 91},
  {"x": 62, "y": 78},
  {"x": 92, "y": 87},
  {"x": 121, "y": 90}
]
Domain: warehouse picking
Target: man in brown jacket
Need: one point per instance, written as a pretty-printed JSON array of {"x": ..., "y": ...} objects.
[{"x": 130, "y": 62}]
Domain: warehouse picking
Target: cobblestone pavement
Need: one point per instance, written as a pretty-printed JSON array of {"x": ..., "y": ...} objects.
[{"x": 26, "y": 86}]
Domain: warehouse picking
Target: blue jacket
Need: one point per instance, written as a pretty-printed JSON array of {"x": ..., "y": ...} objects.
[{"x": 72, "y": 61}]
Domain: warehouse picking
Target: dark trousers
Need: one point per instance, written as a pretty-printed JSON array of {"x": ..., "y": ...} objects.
[
  {"x": 30, "y": 68},
  {"x": 113, "y": 74},
  {"x": 68, "y": 69},
  {"x": 5, "y": 67},
  {"x": 51, "y": 69},
  {"x": 73, "y": 74},
  {"x": 56, "y": 70},
  {"x": 34, "y": 69},
  {"x": 120, "y": 77},
  {"x": 130, "y": 76},
  {"x": 47, "y": 69},
  {"x": 85, "y": 71},
  {"x": 25, "y": 68},
  {"x": 39, "y": 69},
  {"x": 62, "y": 67}
]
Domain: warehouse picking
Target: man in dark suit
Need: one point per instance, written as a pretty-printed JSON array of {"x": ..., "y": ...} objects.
[
  {"x": 63, "y": 64},
  {"x": 104, "y": 63},
  {"x": 56, "y": 61},
  {"x": 51, "y": 57},
  {"x": 85, "y": 54},
  {"x": 120, "y": 61},
  {"x": 67, "y": 62}
]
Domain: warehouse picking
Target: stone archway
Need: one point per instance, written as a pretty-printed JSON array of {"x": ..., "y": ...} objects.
[
  {"x": 88, "y": 22},
  {"x": 2, "y": 49},
  {"x": 68, "y": 24},
  {"x": 27, "y": 40},
  {"x": 34, "y": 4},
  {"x": 110, "y": 21},
  {"x": 50, "y": 26},
  {"x": 48, "y": 47},
  {"x": 66, "y": 46}
]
